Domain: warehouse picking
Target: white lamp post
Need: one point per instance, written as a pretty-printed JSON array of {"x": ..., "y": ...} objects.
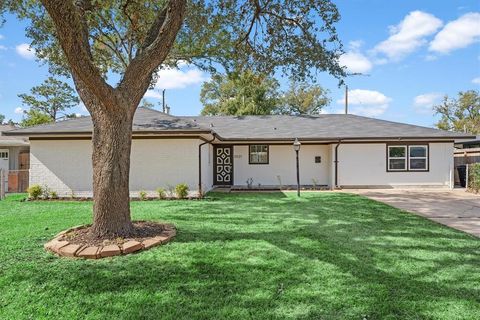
[{"x": 296, "y": 147}]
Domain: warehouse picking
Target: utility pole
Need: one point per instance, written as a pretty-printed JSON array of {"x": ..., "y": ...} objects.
[
  {"x": 163, "y": 101},
  {"x": 346, "y": 99}
]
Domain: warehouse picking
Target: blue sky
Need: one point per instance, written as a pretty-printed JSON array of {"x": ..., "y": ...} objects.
[{"x": 412, "y": 52}]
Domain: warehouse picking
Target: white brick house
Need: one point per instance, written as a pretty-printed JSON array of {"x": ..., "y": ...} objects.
[{"x": 250, "y": 151}]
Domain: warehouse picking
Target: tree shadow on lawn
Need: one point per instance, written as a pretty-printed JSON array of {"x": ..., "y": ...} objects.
[{"x": 271, "y": 256}]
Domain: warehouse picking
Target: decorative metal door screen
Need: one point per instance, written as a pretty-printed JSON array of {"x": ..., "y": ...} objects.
[{"x": 223, "y": 166}]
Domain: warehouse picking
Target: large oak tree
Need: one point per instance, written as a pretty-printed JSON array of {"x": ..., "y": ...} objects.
[{"x": 92, "y": 39}]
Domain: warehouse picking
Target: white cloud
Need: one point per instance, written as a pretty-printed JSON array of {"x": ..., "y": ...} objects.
[
  {"x": 2, "y": 37},
  {"x": 457, "y": 34},
  {"x": 172, "y": 78},
  {"x": 355, "y": 62},
  {"x": 476, "y": 80},
  {"x": 368, "y": 103},
  {"x": 25, "y": 51},
  {"x": 426, "y": 99},
  {"x": 18, "y": 110},
  {"x": 3, "y": 47},
  {"x": 408, "y": 35},
  {"x": 424, "y": 103},
  {"x": 153, "y": 94}
]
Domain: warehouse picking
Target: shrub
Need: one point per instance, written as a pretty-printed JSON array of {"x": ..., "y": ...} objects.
[
  {"x": 35, "y": 191},
  {"x": 54, "y": 195},
  {"x": 474, "y": 177},
  {"x": 162, "y": 194},
  {"x": 170, "y": 190},
  {"x": 46, "y": 192},
  {"x": 143, "y": 195},
  {"x": 181, "y": 190}
]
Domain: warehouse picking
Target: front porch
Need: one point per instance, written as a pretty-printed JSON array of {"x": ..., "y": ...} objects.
[{"x": 267, "y": 167}]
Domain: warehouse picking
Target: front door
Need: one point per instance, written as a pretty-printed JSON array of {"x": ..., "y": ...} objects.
[{"x": 223, "y": 165}]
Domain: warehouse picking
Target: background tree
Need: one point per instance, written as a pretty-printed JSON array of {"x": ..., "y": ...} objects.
[
  {"x": 51, "y": 98},
  {"x": 239, "y": 93},
  {"x": 303, "y": 98},
  {"x": 147, "y": 104},
  {"x": 461, "y": 114},
  {"x": 2, "y": 118},
  {"x": 90, "y": 39},
  {"x": 35, "y": 117}
]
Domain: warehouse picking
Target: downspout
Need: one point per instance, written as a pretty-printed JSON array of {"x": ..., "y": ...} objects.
[
  {"x": 336, "y": 164},
  {"x": 200, "y": 162}
]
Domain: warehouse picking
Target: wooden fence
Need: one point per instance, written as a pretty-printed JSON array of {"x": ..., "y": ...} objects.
[
  {"x": 466, "y": 156},
  {"x": 2, "y": 184},
  {"x": 17, "y": 180}
]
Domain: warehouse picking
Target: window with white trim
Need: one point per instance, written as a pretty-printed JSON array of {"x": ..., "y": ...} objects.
[
  {"x": 258, "y": 154},
  {"x": 397, "y": 158},
  {"x": 418, "y": 157}
]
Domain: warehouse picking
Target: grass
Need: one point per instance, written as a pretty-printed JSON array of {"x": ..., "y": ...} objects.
[{"x": 245, "y": 256}]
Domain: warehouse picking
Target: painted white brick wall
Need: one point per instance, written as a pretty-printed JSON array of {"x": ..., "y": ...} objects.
[
  {"x": 365, "y": 165},
  {"x": 282, "y": 163},
  {"x": 65, "y": 165}
]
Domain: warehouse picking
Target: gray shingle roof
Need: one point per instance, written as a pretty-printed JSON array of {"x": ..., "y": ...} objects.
[
  {"x": 272, "y": 127},
  {"x": 11, "y": 141},
  {"x": 326, "y": 126},
  {"x": 145, "y": 120}
]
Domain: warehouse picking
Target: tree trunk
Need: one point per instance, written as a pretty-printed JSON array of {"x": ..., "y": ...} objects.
[{"x": 112, "y": 139}]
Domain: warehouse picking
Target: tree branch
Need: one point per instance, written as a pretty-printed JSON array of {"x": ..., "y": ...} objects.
[
  {"x": 111, "y": 46},
  {"x": 154, "y": 51},
  {"x": 120, "y": 37},
  {"x": 72, "y": 33}
]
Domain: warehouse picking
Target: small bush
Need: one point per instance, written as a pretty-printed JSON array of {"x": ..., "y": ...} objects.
[
  {"x": 46, "y": 192},
  {"x": 181, "y": 190},
  {"x": 162, "y": 194},
  {"x": 170, "y": 190},
  {"x": 35, "y": 191},
  {"x": 474, "y": 177},
  {"x": 143, "y": 195},
  {"x": 54, "y": 195}
]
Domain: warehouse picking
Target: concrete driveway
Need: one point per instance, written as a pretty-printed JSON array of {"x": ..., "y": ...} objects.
[{"x": 454, "y": 208}]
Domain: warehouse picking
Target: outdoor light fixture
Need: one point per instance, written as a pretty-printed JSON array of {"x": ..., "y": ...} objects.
[{"x": 296, "y": 147}]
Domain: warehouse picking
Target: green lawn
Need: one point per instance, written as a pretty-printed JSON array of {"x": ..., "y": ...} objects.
[{"x": 245, "y": 256}]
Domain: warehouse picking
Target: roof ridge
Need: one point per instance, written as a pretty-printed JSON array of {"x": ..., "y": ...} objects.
[{"x": 401, "y": 123}]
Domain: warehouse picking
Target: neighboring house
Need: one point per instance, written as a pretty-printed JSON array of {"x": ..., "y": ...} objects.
[
  {"x": 468, "y": 144},
  {"x": 204, "y": 152},
  {"x": 14, "y": 159}
]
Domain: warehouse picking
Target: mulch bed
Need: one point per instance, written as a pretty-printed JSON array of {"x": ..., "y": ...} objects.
[
  {"x": 142, "y": 230},
  {"x": 78, "y": 242}
]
